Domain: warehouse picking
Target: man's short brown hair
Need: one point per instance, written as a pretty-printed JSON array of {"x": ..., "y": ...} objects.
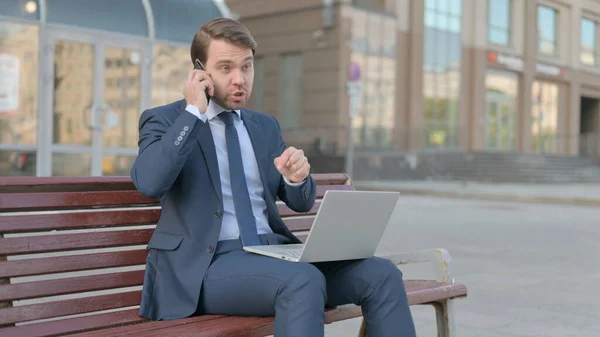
[{"x": 226, "y": 29}]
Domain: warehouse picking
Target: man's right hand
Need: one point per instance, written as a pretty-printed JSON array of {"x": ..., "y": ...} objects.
[{"x": 193, "y": 92}]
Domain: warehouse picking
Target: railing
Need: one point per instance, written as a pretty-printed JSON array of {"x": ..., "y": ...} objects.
[
  {"x": 419, "y": 154},
  {"x": 333, "y": 139}
]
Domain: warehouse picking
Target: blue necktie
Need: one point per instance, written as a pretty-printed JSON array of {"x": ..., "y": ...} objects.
[{"x": 239, "y": 188}]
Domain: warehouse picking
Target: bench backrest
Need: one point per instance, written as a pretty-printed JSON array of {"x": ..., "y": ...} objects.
[{"x": 71, "y": 246}]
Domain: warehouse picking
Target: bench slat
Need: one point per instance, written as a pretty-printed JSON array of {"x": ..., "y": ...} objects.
[
  {"x": 78, "y": 200},
  {"x": 65, "y": 184},
  {"x": 140, "y": 329},
  {"x": 73, "y": 325},
  {"x": 68, "y": 307},
  {"x": 100, "y": 219},
  {"x": 226, "y": 326},
  {"x": 322, "y": 188},
  {"x": 285, "y": 211},
  {"x": 109, "y": 183},
  {"x": 330, "y": 178},
  {"x": 60, "y": 264},
  {"x": 230, "y": 326},
  {"x": 65, "y": 242},
  {"x": 80, "y": 220},
  {"x": 71, "y": 200},
  {"x": 299, "y": 224},
  {"x": 71, "y": 285},
  {"x": 421, "y": 292},
  {"x": 261, "y": 326}
]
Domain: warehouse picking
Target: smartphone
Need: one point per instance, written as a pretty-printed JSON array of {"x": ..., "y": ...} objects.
[{"x": 198, "y": 66}]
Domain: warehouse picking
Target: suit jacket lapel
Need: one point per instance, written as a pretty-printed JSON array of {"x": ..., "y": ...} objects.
[{"x": 207, "y": 145}]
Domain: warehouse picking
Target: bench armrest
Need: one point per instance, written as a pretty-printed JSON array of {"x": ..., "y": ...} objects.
[{"x": 440, "y": 258}]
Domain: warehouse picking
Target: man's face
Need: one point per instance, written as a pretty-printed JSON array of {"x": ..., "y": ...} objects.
[{"x": 232, "y": 70}]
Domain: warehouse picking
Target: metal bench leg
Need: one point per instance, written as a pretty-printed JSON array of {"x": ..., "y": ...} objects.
[
  {"x": 445, "y": 318},
  {"x": 362, "y": 332}
]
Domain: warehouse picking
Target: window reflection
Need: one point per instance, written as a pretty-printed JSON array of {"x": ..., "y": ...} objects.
[
  {"x": 19, "y": 68},
  {"x": 499, "y": 22},
  {"x": 544, "y": 116},
  {"x": 122, "y": 95},
  {"x": 374, "y": 50},
  {"x": 588, "y": 42},
  {"x": 441, "y": 72},
  {"x": 73, "y": 93},
  {"x": 547, "y": 30},
  {"x": 169, "y": 73}
]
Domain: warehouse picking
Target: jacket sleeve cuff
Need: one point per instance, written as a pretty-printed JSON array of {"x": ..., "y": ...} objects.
[{"x": 287, "y": 181}]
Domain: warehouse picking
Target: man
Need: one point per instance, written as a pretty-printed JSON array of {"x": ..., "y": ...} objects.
[{"x": 217, "y": 168}]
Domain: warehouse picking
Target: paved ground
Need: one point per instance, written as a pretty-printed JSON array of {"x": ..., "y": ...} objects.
[
  {"x": 532, "y": 270},
  {"x": 574, "y": 194}
]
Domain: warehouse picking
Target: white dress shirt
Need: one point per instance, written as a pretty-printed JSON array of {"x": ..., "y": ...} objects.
[{"x": 229, "y": 228}]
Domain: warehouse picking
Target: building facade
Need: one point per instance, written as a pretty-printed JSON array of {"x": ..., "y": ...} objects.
[
  {"x": 472, "y": 75},
  {"x": 76, "y": 75},
  {"x": 476, "y": 75}
]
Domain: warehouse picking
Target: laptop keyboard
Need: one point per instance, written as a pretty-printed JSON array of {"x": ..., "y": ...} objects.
[{"x": 295, "y": 253}]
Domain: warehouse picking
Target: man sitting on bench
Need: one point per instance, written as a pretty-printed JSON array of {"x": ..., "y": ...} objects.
[{"x": 217, "y": 169}]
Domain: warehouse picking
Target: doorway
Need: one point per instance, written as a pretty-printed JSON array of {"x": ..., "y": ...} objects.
[
  {"x": 589, "y": 126},
  {"x": 500, "y": 122},
  {"x": 96, "y": 87}
]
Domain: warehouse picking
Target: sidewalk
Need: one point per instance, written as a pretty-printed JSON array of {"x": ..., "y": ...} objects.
[{"x": 574, "y": 194}]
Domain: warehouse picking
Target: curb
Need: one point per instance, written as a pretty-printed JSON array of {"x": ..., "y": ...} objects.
[{"x": 486, "y": 196}]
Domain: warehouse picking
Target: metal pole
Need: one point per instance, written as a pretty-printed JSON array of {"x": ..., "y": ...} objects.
[
  {"x": 354, "y": 91},
  {"x": 350, "y": 154}
]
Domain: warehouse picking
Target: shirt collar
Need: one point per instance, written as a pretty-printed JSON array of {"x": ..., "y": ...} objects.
[{"x": 215, "y": 109}]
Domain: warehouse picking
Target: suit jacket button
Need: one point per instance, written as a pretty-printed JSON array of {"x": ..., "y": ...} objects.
[
  {"x": 210, "y": 249},
  {"x": 218, "y": 214},
  {"x": 185, "y": 128},
  {"x": 306, "y": 194}
]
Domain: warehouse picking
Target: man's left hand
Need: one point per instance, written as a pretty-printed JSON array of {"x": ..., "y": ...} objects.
[{"x": 293, "y": 165}]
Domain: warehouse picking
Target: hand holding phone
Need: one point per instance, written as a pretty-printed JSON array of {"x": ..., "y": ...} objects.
[
  {"x": 198, "y": 82},
  {"x": 198, "y": 66}
]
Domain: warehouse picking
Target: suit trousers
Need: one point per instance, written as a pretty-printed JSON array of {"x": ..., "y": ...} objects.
[{"x": 246, "y": 284}]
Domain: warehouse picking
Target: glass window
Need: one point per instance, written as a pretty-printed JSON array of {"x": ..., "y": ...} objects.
[
  {"x": 374, "y": 50},
  {"x": 441, "y": 72},
  {"x": 19, "y": 69},
  {"x": 122, "y": 93},
  {"x": 111, "y": 15},
  {"x": 588, "y": 42},
  {"x": 290, "y": 100},
  {"x": 73, "y": 93},
  {"x": 547, "y": 30},
  {"x": 178, "y": 20},
  {"x": 499, "y": 22},
  {"x": 169, "y": 73},
  {"x": 501, "y": 110},
  {"x": 544, "y": 117},
  {"x": 25, "y": 9}
]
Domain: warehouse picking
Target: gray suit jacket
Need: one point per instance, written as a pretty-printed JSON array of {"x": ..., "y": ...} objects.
[{"x": 177, "y": 163}]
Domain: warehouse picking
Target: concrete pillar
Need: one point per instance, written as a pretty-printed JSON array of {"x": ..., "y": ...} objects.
[{"x": 529, "y": 61}]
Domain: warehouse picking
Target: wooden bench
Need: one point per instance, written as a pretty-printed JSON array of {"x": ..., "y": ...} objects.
[{"x": 72, "y": 254}]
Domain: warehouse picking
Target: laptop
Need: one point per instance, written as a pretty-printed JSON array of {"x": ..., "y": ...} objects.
[{"x": 348, "y": 226}]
